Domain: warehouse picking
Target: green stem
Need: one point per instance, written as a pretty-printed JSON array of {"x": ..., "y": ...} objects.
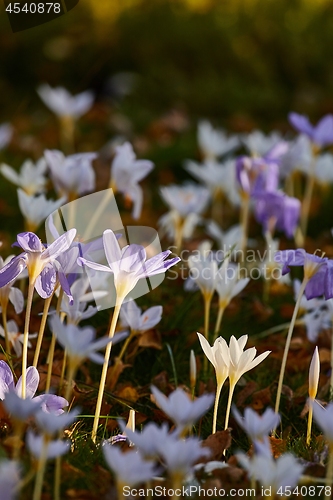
[
  {"x": 245, "y": 215},
  {"x": 41, "y": 470},
  {"x": 218, "y": 321},
  {"x": 216, "y": 405},
  {"x": 308, "y": 434},
  {"x": 329, "y": 471},
  {"x": 47, "y": 303},
  {"x": 125, "y": 345},
  {"x": 105, "y": 368},
  {"x": 307, "y": 199},
  {"x": 5, "y": 328},
  {"x": 287, "y": 345},
  {"x": 50, "y": 355},
  {"x": 26, "y": 337}
]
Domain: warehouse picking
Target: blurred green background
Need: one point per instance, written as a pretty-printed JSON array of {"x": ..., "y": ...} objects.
[{"x": 241, "y": 63}]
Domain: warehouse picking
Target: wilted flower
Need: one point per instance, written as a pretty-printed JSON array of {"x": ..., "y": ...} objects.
[
  {"x": 63, "y": 104},
  {"x": 126, "y": 173},
  {"x": 181, "y": 409},
  {"x": 31, "y": 177}
]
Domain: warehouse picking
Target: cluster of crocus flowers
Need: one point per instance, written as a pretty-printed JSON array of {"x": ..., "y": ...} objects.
[
  {"x": 229, "y": 362},
  {"x": 317, "y": 281}
]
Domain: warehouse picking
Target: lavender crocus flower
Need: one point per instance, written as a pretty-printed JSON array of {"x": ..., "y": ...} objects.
[
  {"x": 277, "y": 210},
  {"x": 255, "y": 175},
  {"x": 321, "y": 134},
  {"x": 318, "y": 271},
  {"x": 9, "y": 292},
  {"x": 129, "y": 264},
  {"x": 131, "y": 315},
  {"x": 49, "y": 403},
  {"x": 38, "y": 260},
  {"x": 55, "y": 448},
  {"x": 9, "y": 479}
]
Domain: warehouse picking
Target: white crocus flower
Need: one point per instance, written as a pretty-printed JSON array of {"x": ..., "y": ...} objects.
[
  {"x": 214, "y": 143},
  {"x": 71, "y": 175},
  {"x": 131, "y": 315},
  {"x": 129, "y": 468},
  {"x": 214, "y": 354},
  {"x": 64, "y": 104},
  {"x": 258, "y": 144},
  {"x": 324, "y": 169},
  {"x": 203, "y": 271},
  {"x": 234, "y": 360},
  {"x": 281, "y": 473},
  {"x": 16, "y": 338},
  {"x": 314, "y": 373},
  {"x": 31, "y": 177},
  {"x": 256, "y": 426},
  {"x": 186, "y": 204},
  {"x": 298, "y": 157},
  {"x": 229, "y": 240},
  {"x": 228, "y": 284},
  {"x": 126, "y": 173},
  {"x": 181, "y": 409},
  {"x": 35, "y": 209},
  {"x": 180, "y": 456},
  {"x": 6, "y": 132}
]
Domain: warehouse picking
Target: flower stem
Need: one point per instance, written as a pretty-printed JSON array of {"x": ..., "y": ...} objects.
[
  {"x": 47, "y": 303},
  {"x": 5, "y": 328},
  {"x": 287, "y": 345},
  {"x": 67, "y": 130},
  {"x": 179, "y": 228},
  {"x": 50, "y": 355},
  {"x": 218, "y": 321},
  {"x": 72, "y": 369},
  {"x": 329, "y": 471},
  {"x": 216, "y": 405},
  {"x": 231, "y": 393},
  {"x": 331, "y": 383},
  {"x": 98, "y": 212},
  {"x": 105, "y": 368},
  {"x": 41, "y": 470},
  {"x": 308, "y": 434},
  {"x": 125, "y": 345},
  {"x": 26, "y": 337},
  {"x": 207, "y": 301},
  {"x": 63, "y": 368},
  {"x": 305, "y": 211},
  {"x": 245, "y": 214}
]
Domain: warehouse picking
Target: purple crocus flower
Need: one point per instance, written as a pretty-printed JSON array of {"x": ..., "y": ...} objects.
[
  {"x": 320, "y": 134},
  {"x": 129, "y": 264},
  {"x": 49, "y": 403},
  {"x": 38, "y": 260},
  {"x": 318, "y": 270},
  {"x": 277, "y": 210},
  {"x": 255, "y": 175}
]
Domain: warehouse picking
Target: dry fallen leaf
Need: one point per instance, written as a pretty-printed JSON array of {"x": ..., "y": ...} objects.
[{"x": 217, "y": 443}]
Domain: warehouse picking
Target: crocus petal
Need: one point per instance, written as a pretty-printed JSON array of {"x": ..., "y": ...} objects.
[
  {"x": 29, "y": 242},
  {"x": 301, "y": 123},
  {"x": 6, "y": 379},
  {"x": 111, "y": 248},
  {"x": 59, "y": 245},
  {"x": 93, "y": 265},
  {"x": 46, "y": 281},
  {"x": 17, "y": 299},
  {"x": 207, "y": 349},
  {"x": 9, "y": 272},
  {"x": 133, "y": 259},
  {"x": 32, "y": 381}
]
